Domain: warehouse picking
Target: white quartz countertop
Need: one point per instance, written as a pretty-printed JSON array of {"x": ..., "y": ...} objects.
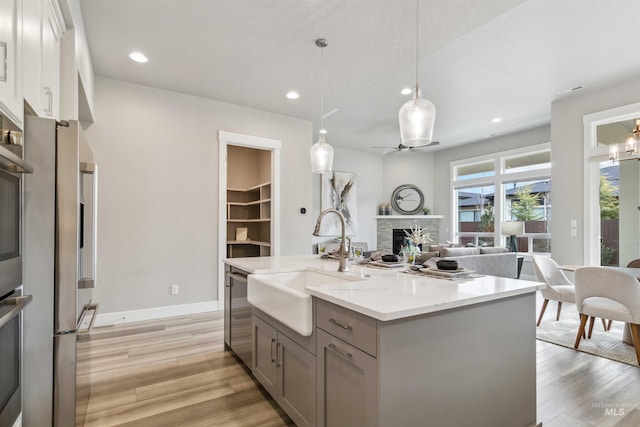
[{"x": 391, "y": 294}]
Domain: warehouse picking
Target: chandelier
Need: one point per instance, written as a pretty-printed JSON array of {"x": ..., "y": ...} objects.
[{"x": 629, "y": 147}]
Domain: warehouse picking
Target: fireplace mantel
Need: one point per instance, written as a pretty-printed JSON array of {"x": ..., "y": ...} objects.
[{"x": 387, "y": 223}]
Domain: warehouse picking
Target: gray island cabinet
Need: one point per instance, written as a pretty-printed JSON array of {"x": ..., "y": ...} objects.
[
  {"x": 401, "y": 350},
  {"x": 284, "y": 362},
  {"x": 471, "y": 366}
]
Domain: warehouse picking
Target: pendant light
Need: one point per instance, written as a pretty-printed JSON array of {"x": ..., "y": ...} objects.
[
  {"x": 417, "y": 115},
  {"x": 321, "y": 153}
]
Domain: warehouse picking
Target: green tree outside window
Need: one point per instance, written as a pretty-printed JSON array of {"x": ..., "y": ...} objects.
[
  {"x": 524, "y": 208},
  {"x": 487, "y": 219},
  {"x": 608, "y": 200}
]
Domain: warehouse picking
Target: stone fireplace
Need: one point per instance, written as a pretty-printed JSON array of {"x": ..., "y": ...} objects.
[{"x": 390, "y": 225}]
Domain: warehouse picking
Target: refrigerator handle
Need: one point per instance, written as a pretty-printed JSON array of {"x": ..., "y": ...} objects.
[{"x": 92, "y": 170}]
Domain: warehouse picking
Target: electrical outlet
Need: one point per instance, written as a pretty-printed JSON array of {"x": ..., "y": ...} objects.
[{"x": 174, "y": 289}]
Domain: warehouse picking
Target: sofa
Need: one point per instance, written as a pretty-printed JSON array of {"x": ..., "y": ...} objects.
[{"x": 498, "y": 261}]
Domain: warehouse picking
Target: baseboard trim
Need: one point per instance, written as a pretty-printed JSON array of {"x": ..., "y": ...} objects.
[{"x": 116, "y": 318}]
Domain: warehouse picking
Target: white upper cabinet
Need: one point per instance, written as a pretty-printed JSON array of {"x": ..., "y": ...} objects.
[
  {"x": 43, "y": 28},
  {"x": 11, "y": 60}
]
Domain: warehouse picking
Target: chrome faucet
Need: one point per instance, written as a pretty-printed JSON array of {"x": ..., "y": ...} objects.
[{"x": 342, "y": 252}]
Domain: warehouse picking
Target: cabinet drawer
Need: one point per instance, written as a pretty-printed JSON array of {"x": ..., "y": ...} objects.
[{"x": 354, "y": 328}]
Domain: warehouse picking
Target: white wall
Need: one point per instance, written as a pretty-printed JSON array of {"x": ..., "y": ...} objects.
[
  {"x": 407, "y": 167},
  {"x": 157, "y": 153},
  {"x": 443, "y": 159},
  {"x": 368, "y": 169},
  {"x": 567, "y": 146}
]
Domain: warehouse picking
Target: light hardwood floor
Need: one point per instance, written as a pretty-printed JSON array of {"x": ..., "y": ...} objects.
[
  {"x": 174, "y": 372},
  {"x": 170, "y": 372}
]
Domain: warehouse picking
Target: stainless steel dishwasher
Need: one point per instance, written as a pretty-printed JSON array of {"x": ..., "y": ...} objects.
[{"x": 237, "y": 314}]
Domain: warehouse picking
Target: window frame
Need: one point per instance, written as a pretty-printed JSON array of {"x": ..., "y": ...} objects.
[{"x": 499, "y": 178}]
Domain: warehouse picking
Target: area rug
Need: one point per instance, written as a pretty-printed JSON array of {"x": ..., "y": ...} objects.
[{"x": 606, "y": 344}]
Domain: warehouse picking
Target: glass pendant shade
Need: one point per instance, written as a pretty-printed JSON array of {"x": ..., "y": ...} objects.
[
  {"x": 613, "y": 152},
  {"x": 631, "y": 145},
  {"x": 321, "y": 156},
  {"x": 417, "y": 117}
]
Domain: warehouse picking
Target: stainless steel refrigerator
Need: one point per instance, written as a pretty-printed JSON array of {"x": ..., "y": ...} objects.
[{"x": 60, "y": 265}]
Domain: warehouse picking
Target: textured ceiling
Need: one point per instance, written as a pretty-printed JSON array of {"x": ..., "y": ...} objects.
[{"x": 479, "y": 59}]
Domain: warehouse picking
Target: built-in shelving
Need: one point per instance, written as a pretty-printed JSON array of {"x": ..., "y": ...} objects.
[
  {"x": 250, "y": 209},
  {"x": 248, "y": 242},
  {"x": 248, "y": 204}
]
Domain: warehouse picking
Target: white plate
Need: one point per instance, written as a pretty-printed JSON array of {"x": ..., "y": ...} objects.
[
  {"x": 447, "y": 273},
  {"x": 386, "y": 264}
]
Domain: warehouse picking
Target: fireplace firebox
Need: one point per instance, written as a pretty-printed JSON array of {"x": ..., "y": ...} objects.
[{"x": 400, "y": 239}]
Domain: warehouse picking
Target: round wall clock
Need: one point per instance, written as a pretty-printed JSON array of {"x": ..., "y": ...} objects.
[{"x": 407, "y": 199}]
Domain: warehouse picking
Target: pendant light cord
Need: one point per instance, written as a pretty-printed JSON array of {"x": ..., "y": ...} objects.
[
  {"x": 417, "y": 41},
  {"x": 321, "y": 43},
  {"x": 321, "y": 87}
]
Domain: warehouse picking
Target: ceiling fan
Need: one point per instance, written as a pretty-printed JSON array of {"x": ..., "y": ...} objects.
[{"x": 402, "y": 147}]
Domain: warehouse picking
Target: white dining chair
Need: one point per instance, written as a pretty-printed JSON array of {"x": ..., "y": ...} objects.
[
  {"x": 559, "y": 287},
  {"x": 609, "y": 294}
]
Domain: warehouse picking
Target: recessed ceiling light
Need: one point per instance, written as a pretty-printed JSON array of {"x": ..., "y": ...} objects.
[
  {"x": 496, "y": 120},
  {"x": 406, "y": 91},
  {"x": 138, "y": 57},
  {"x": 293, "y": 95}
]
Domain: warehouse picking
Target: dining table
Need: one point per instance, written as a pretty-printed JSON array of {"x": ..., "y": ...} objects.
[{"x": 635, "y": 272}]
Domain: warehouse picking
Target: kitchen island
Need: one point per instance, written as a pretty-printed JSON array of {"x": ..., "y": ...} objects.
[{"x": 389, "y": 348}]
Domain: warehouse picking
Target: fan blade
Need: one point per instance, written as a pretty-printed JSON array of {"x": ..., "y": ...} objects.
[
  {"x": 401, "y": 147},
  {"x": 395, "y": 150},
  {"x": 432, "y": 144}
]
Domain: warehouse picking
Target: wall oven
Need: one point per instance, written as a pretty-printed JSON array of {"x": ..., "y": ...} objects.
[
  {"x": 10, "y": 224},
  {"x": 12, "y": 166},
  {"x": 12, "y": 302},
  {"x": 11, "y": 356}
]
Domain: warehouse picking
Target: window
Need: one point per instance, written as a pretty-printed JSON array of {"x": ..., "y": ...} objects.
[
  {"x": 475, "y": 215},
  {"x": 614, "y": 177},
  {"x": 533, "y": 161},
  {"x": 530, "y": 202},
  {"x": 508, "y": 186},
  {"x": 475, "y": 170}
]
